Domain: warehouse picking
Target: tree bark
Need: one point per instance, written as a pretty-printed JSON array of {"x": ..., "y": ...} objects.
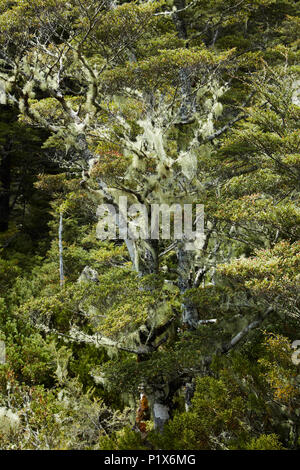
[
  {"x": 147, "y": 256},
  {"x": 161, "y": 415},
  {"x": 61, "y": 261},
  {"x": 5, "y": 183},
  {"x": 185, "y": 282}
]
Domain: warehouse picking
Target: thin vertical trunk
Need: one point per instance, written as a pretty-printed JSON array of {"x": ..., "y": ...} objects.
[
  {"x": 2, "y": 352},
  {"x": 61, "y": 261},
  {"x": 185, "y": 282},
  {"x": 5, "y": 183}
]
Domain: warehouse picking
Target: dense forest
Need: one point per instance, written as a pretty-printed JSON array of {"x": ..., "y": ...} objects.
[{"x": 111, "y": 342}]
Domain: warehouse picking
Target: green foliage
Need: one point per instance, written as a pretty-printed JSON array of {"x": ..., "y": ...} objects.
[
  {"x": 264, "y": 442},
  {"x": 163, "y": 106},
  {"x": 126, "y": 439}
]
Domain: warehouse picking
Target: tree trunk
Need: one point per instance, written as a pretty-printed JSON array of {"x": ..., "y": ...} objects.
[
  {"x": 146, "y": 252},
  {"x": 5, "y": 182},
  {"x": 60, "y": 243},
  {"x": 161, "y": 415},
  {"x": 185, "y": 282},
  {"x": 160, "y": 408}
]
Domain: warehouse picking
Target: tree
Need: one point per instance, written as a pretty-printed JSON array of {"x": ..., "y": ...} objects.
[{"x": 147, "y": 119}]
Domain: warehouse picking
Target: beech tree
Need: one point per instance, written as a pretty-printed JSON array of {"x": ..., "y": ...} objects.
[{"x": 153, "y": 101}]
